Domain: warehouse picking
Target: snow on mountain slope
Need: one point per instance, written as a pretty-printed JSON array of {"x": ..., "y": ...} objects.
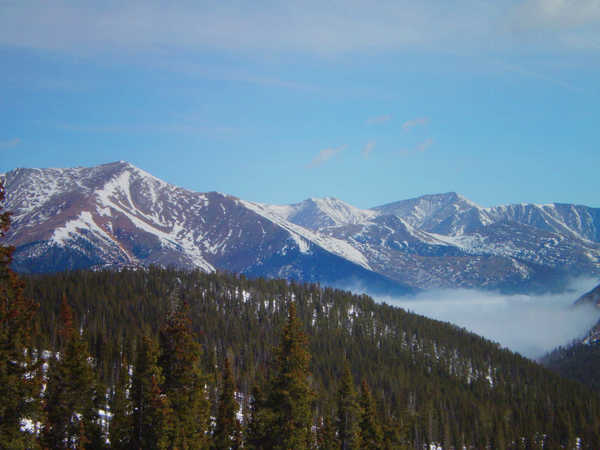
[
  {"x": 318, "y": 213},
  {"x": 336, "y": 246},
  {"x": 118, "y": 215},
  {"x": 579, "y": 221},
  {"x": 428, "y": 212},
  {"x": 93, "y": 206}
]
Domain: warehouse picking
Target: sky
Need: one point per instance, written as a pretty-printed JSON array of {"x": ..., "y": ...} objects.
[{"x": 367, "y": 101}]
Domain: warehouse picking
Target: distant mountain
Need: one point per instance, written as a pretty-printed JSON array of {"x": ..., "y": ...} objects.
[
  {"x": 118, "y": 215},
  {"x": 318, "y": 213}
]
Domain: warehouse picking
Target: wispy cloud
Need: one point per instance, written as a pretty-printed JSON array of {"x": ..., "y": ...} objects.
[
  {"x": 558, "y": 14},
  {"x": 310, "y": 26},
  {"x": 368, "y": 148},
  {"x": 419, "y": 121},
  {"x": 422, "y": 147},
  {"x": 539, "y": 76},
  {"x": 10, "y": 143},
  {"x": 325, "y": 155},
  {"x": 556, "y": 24},
  {"x": 379, "y": 119}
]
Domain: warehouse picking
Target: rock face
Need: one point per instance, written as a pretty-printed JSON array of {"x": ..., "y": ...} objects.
[{"x": 118, "y": 215}]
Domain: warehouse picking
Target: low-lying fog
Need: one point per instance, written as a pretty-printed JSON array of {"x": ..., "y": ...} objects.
[{"x": 529, "y": 324}]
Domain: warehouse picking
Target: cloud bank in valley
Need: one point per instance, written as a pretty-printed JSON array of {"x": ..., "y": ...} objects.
[{"x": 529, "y": 324}]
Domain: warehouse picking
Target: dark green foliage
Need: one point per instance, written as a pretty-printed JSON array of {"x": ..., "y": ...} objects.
[
  {"x": 579, "y": 362},
  {"x": 429, "y": 380},
  {"x": 19, "y": 373},
  {"x": 227, "y": 426},
  {"x": 291, "y": 395},
  {"x": 183, "y": 381},
  {"x": 148, "y": 420},
  {"x": 326, "y": 437},
  {"x": 71, "y": 399},
  {"x": 121, "y": 407},
  {"x": 370, "y": 431},
  {"x": 261, "y": 421},
  {"x": 348, "y": 413},
  {"x": 282, "y": 419}
]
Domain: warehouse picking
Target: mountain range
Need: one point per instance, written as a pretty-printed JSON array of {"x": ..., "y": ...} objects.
[{"x": 117, "y": 215}]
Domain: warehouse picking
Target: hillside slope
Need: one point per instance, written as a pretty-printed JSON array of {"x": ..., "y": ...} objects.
[{"x": 433, "y": 382}]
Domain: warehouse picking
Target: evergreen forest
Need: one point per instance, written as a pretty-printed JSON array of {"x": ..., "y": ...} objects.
[{"x": 155, "y": 358}]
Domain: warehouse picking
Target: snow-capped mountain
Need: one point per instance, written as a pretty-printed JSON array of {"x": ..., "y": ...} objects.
[
  {"x": 318, "y": 213},
  {"x": 445, "y": 240},
  {"x": 119, "y": 215},
  {"x": 438, "y": 213}
]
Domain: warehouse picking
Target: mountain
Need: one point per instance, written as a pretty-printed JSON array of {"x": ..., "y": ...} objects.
[
  {"x": 319, "y": 213},
  {"x": 119, "y": 215},
  {"x": 445, "y": 240}
]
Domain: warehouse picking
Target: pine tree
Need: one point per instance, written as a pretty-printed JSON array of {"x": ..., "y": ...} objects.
[
  {"x": 326, "y": 438},
  {"x": 371, "y": 436},
  {"x": 258, "y": 433},
  {"x": 150, "y": 409},
  {"x": 19, "y": 373},
  {"x": 183, "y": 380},
  {"x": 162, "y": 420},
  {"x": 70, "y": 400},
  {"x": 348, "y": 413},
  {"x": 226, "y": 424},
  {"x": 291, "y": 396},
  {"x": 121, "y": 407}
]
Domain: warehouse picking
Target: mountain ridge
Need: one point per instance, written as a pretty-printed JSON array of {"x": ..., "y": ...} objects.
[{"x": 118, "y": 214}]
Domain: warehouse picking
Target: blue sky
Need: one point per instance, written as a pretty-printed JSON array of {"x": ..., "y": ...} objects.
[{"x": 370, "y": 102}]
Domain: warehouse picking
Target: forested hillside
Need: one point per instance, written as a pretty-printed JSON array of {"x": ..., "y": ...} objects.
[
  {"x": 579, "y": 361},
  {"x": 430, "y": 381}
]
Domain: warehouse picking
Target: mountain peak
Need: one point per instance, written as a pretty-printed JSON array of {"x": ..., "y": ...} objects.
[
  {"x": 318, "y": 213},
  {"x": 429, "y": 211}
]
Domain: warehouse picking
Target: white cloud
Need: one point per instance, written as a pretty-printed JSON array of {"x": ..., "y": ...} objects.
[
  {"x": 368, "y": 148},
  {"x": 409, "y": 124},
  {"x": 325, "y": 155}
]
